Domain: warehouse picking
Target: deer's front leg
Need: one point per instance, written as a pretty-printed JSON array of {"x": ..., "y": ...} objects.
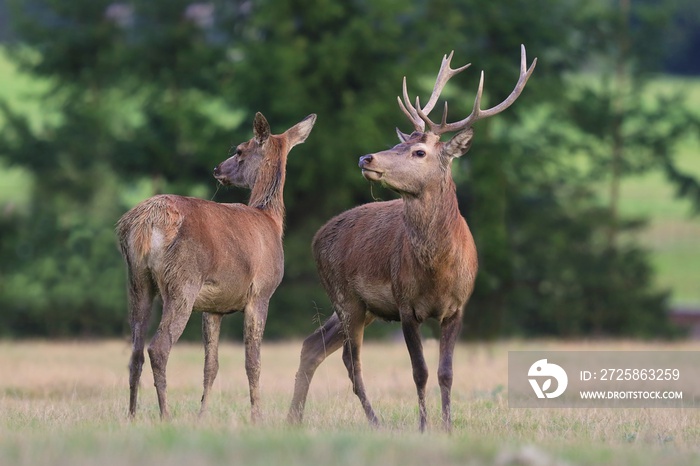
[{"x": 211, "y": 328}]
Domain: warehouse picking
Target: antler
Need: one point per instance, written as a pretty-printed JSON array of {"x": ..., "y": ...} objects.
[
  {"x": 419, "y": 116},
  {"x": 444, "y": 75}
]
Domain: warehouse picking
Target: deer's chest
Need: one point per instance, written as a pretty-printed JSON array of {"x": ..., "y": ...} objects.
[{"x": 433, "y": 292}]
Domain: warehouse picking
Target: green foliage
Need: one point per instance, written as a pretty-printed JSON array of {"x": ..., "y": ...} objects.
[
  {"x": 147, "y": 97},
  {"x": 64, "y": 269},
  {"x": 551, "y": 294}
]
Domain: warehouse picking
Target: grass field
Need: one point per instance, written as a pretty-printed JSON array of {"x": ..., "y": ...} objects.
[
  {"x": 673, "y": 230},
  {"x": 671, "y": 233},
  {"x": 65, "y": 403}
]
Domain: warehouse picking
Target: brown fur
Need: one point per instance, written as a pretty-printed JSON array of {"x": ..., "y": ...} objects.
[
  {"x": 136, "y": 225},
  {"x": 215, "y": 258}
]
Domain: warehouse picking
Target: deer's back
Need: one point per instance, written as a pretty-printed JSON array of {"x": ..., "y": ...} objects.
[{"x": 231, "y": 250}]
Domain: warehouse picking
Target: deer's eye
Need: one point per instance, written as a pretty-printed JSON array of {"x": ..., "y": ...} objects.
[
  {"x": 239, "y": 152},
  {"x": 419, "y": 153}
]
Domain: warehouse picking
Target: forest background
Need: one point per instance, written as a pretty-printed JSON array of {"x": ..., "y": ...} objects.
[{"x": 581, "y": 197}]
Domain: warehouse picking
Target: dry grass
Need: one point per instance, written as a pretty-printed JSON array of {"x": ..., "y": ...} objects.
[{"x": 65, "y": 403}]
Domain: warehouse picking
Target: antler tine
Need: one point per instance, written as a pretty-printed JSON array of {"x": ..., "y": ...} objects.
[
  {"x": 476, "y": 110},
  {"x": 444, "y": 115},
  {"x": 417, "y": 115},
  {"x": 478, "y": 114},
  {"x": 417, "y": 122},
  {"x": 409, "y": 110},
  {"x": 444, "y": 75}
]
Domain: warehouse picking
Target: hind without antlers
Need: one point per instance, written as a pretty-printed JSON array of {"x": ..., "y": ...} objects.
[
  {"x": 209, "y": 257},
  {"x": 404, "y": 260}
]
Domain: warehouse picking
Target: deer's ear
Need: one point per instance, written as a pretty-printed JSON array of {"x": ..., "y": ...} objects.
[
  {"x": 261, "y": 128},
  {"x": 299, "y": 132},
  {"x": 403, "y": 137},
  {"x": 459, "y": 144}
]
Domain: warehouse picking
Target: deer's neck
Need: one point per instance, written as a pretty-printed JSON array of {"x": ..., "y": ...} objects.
[
  {"x": 267, "y": 193},
  {"x": 432, "y": 220}
]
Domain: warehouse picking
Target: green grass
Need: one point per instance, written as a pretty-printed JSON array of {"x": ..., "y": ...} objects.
[
  {"x": 671, "y": 233},
  {"x": 673, "y": 229},
  {"x": 65, "y": 403}
]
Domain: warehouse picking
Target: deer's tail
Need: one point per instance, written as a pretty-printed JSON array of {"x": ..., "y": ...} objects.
[{"x": 154, "y": 223}]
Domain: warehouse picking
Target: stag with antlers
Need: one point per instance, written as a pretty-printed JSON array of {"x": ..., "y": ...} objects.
[{"x": 404, "y": 260}]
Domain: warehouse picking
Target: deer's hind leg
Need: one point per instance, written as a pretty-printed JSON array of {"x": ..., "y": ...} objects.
[
  {"x": 316, "y": 348},
  {"x": 141, "y": 294},
  {"x": 355, "y": 319},
  {"x": 177, "y": 308}
]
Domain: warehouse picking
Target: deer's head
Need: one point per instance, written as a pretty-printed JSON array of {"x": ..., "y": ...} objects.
[
  {"x": 242, "y": 168},
  {"x": 421, "y": 157}
]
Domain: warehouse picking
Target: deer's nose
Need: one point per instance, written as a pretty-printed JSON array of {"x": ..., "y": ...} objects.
[
  {"x": 366, "y": 160},
  {"x": 217, "y": 170}
]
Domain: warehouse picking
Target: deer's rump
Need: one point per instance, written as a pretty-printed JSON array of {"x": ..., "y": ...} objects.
[{"x": 162, "y": 240}]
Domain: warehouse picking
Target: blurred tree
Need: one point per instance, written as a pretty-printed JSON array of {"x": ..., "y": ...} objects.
[
  {"x": 131, "y": 107},
  {"x": 151, "y": 93},
  {"x": 610, "y": 128},
  {"x": 681, "y": 39}
]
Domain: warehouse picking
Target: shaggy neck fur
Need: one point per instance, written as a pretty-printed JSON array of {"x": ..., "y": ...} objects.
[
  {"x": 267, "y": 193},
  {"x": 430, "y": 220}
]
